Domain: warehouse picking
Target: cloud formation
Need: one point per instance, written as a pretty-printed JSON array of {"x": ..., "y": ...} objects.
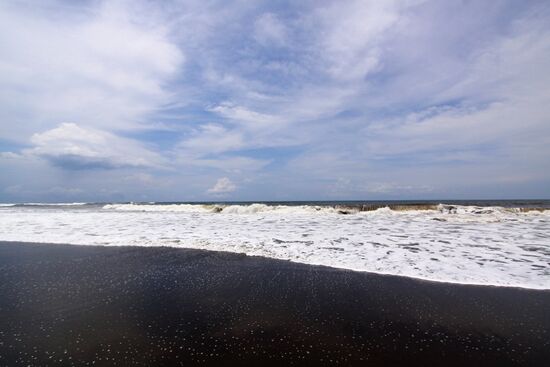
[
  {"x": 101, "y": 67},
  {"x": 318, "y": 100},
  {"x": 222, "y": 186},
  {"x": 72, "y": 147}
]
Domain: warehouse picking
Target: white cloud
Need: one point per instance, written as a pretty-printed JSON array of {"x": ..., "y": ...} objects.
[
  {"x": 506, "y": 93},
  {"x": 73, "y": 147},
  {"x": 269, "y": 30},
  {"x": 233, "y": 164},
  {"x": 9, "y": 155},
  {"x": 399, "y": 94},
  {"x": 250, "y": 119},
  {"x": 213, "y": 138},
  {"x": 101, "y": 67},
  {"x": 352, "y": 34},
  {"x": 243, "y": 129},
  {"x": 223, "y": 186}
]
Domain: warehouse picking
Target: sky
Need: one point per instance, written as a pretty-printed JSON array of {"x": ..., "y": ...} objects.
[{"x": 208, "y": 100}]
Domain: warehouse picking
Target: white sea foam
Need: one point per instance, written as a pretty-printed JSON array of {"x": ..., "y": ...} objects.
[
  {"x": 461, "y": 244},
  {"x": 55, "y": 204},
  {"x": 218, "y": 208},
  {"x": 45, "y": 204}
]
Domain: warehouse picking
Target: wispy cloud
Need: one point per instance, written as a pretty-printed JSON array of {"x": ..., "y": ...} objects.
[
  {"x": 100, "y": 67},
  {"x": 362, "y": 99},
  {"x": 270, "y": 31},
  {"x": 222, "y": 186}
]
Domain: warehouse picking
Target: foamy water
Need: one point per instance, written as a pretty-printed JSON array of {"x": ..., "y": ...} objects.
[{"x": 460, "y": 244}]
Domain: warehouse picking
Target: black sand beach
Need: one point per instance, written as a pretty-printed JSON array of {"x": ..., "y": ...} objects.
[{"x": 79, "y": 305}]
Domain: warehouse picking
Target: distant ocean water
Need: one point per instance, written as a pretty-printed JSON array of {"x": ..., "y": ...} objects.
[{"x": 490, "y": 242}]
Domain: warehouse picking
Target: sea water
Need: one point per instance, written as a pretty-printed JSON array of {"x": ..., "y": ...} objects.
[{"x": 467, "y": 242}]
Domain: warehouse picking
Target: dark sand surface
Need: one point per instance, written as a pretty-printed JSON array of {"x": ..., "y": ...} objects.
[{"x": 79, "y": 305}]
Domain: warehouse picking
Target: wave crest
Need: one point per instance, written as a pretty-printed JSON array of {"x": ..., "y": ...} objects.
[{"x": 367, "y": 209}]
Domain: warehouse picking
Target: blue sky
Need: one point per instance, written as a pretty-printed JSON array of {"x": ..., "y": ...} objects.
[{"x": 274, "y": 100}]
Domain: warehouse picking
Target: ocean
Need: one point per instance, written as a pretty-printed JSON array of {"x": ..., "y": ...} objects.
[{"x": 498, "y": 243}]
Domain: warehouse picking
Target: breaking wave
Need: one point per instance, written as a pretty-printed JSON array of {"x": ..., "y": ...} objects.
[
  {"x": 472, "y": 244},
  {"x": 320, "y": 209}
]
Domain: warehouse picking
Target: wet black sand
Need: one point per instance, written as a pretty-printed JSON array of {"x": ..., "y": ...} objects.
[{"x": 78, "y": 305}]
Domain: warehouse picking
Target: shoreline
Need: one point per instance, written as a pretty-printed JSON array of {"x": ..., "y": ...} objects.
[
  {"x": 367, "y": 272},
  {"x": 185, "y": 306}
]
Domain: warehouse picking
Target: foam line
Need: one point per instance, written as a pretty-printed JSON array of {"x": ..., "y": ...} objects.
[{"x": 459, "y": 244}]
